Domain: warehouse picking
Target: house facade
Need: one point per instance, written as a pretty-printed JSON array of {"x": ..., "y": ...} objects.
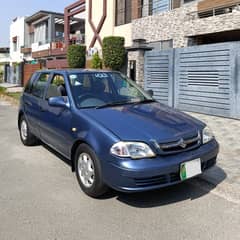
[
  {"x": 166, "y": 24},
  {"x": 45, "y": 38},
  {"x": 193, "y": 63},
  {"x": 4, "y": 64},
  {"x": 17, "y": 38}
]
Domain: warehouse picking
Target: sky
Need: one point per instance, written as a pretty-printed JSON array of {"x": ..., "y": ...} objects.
[{"x": 10, "y": 9}]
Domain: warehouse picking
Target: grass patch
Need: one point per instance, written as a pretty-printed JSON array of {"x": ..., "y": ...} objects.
[
  {"x": 15, "y": 95},
  {"x": 2, "y": 90}
]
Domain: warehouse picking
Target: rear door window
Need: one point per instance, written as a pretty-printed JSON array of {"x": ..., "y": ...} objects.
[
  {"x": 39, "y": 85},
  {"x": 28, "y": 87}
]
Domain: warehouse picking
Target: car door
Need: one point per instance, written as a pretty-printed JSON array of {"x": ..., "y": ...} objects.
[
  {"x": 32, "y": 98},
  {"x": 55, "y": 124}
]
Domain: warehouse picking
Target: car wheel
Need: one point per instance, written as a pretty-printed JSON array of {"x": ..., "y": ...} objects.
[
  {"x": 27, "y": 138},
  {"x": 88, "y": 171}
]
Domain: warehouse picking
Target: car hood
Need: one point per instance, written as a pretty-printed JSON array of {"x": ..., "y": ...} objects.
[{"x": 145, "y": 122}]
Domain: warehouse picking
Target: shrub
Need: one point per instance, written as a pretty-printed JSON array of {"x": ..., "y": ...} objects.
[
  {"x": 2, "y": 90},
  {"x": 76, "y": 56},
  {"x": 1, "y": 76},
  {"x": 113, "y": 52},
  {"x": 96, "y": 61}
]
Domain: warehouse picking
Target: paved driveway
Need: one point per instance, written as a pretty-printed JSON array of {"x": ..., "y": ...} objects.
[
  {"x": 40, "y": 199},
  {"x": 226, "y": 175}
]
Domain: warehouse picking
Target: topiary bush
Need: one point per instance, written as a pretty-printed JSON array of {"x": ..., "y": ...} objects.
[
  {"x": 96, "y": 61},
  {"x": 76, "y": 56},
  {"x": 113, "y": 52}
]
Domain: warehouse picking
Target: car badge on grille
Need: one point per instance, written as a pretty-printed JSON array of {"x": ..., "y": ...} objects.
[{"x": 182, "y": 143}]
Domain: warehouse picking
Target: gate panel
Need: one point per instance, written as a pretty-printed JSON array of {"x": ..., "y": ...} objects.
[
  {"x": 29, "y": 69},
  {"x": 158, "y": 73},
  {"x": 204, "y": 78}
]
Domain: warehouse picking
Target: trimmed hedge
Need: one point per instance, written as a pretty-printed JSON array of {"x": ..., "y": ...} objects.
[
  {"x": 76, "y": 56},
  {"x": 113, "y": 52}
]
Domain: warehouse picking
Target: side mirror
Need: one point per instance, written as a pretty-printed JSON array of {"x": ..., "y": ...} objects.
[
  {"x": 58, "y": 102},
  {"x": 150, "y": 92}
]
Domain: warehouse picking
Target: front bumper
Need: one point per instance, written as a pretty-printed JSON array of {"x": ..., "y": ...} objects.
[{"x": 129, "y": 175}]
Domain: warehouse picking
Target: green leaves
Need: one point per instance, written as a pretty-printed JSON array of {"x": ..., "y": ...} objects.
[
  {"x": 113, "y": 52},
  {"x": 76, "y": 56},
  {"x": 96, "y": 61}
]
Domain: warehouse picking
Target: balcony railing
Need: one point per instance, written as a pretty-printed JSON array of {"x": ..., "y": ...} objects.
[
  {"x": 59, "y": 46},
  {"x": 26, "y": 50},
  {"x": 216, "y": 11}
]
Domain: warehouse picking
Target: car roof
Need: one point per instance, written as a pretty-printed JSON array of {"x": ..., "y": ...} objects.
[{"x": 69, "y": 71}]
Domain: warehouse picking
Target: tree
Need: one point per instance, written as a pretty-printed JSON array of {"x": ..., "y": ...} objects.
[
  {"x": 76, "y": 56},
  {"x": 113, "y": 52}
]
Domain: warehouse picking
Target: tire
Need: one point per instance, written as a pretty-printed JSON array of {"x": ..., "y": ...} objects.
[
  {"x": 27, "y": 138},
  {"x": 88, "y": 172}
]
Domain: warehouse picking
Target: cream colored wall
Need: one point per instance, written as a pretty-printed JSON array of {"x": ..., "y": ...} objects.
[
  {"x": 108, "y": 28},
  {"x": 126, "y": 32}
]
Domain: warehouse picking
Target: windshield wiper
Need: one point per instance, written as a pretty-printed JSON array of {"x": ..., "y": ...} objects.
[
  {"x": 145, "y": 101},
  {"x": 114, "y": 104},
  {"x": 125, "y": 102}
]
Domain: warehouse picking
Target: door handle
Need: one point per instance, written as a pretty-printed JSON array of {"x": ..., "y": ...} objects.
[{"x": 28, "y": 103}]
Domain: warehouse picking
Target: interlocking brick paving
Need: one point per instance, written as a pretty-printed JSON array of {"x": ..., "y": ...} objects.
[{"x": 227, "y": 133}]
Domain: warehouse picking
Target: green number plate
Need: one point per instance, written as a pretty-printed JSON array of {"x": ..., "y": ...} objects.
[{"x": 190, "y": 169}]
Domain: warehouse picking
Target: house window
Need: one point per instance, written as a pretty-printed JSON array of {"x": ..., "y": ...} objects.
[
  {"x": 187, "y": 1},
  {"x": 161, "y": 45},
  {"x": 15, "y": 46},
  {"x": 15, "y": 43},
  {"x": 41, "y": 33},
  {"x": 158, "y": 6},
  {"x": 123, "y": 12}
]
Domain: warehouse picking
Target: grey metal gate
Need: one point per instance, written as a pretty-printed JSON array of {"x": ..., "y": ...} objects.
[
  {"x": 158, "y": 69},
  {"x": 206, "y": 78}
]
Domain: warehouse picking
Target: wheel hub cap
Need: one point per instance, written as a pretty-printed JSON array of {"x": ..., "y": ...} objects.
[
  {"x": 86, "y": 170},
  {"x": 24, "y": 130}
]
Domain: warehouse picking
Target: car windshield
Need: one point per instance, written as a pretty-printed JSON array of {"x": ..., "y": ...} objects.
[{"x": 105, "y": 89}]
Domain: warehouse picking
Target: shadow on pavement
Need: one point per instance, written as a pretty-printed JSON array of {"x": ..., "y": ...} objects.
[
  {"x": 61, "y": 157},
  {"x": 189, "y": 190}
]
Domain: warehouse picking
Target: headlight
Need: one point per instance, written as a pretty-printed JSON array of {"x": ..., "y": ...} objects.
[
  {"x": 207, "y": 135},
  {"x": 134, "y": 150}
]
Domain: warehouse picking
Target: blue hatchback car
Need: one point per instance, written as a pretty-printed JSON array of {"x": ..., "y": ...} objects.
[{"x": 115, "y": 134}]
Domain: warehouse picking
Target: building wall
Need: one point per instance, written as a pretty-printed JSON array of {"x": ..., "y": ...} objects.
[
  {"x": 124, "y": 31},
  {"x": 17, "y": 30},
  {"x": 108, "y": 28},
  {"x": 139, "y": 57},
  {"x": 4, "y": 58},
  {"x": 181, "y": 23}
]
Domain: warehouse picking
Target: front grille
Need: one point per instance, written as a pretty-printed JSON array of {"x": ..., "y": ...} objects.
[
  {"x": 182, "y": 144},
  {"x": 158, "y": 180}
]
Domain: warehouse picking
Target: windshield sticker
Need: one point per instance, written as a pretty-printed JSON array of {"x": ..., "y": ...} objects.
[{"x": 101, "y": 75}]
